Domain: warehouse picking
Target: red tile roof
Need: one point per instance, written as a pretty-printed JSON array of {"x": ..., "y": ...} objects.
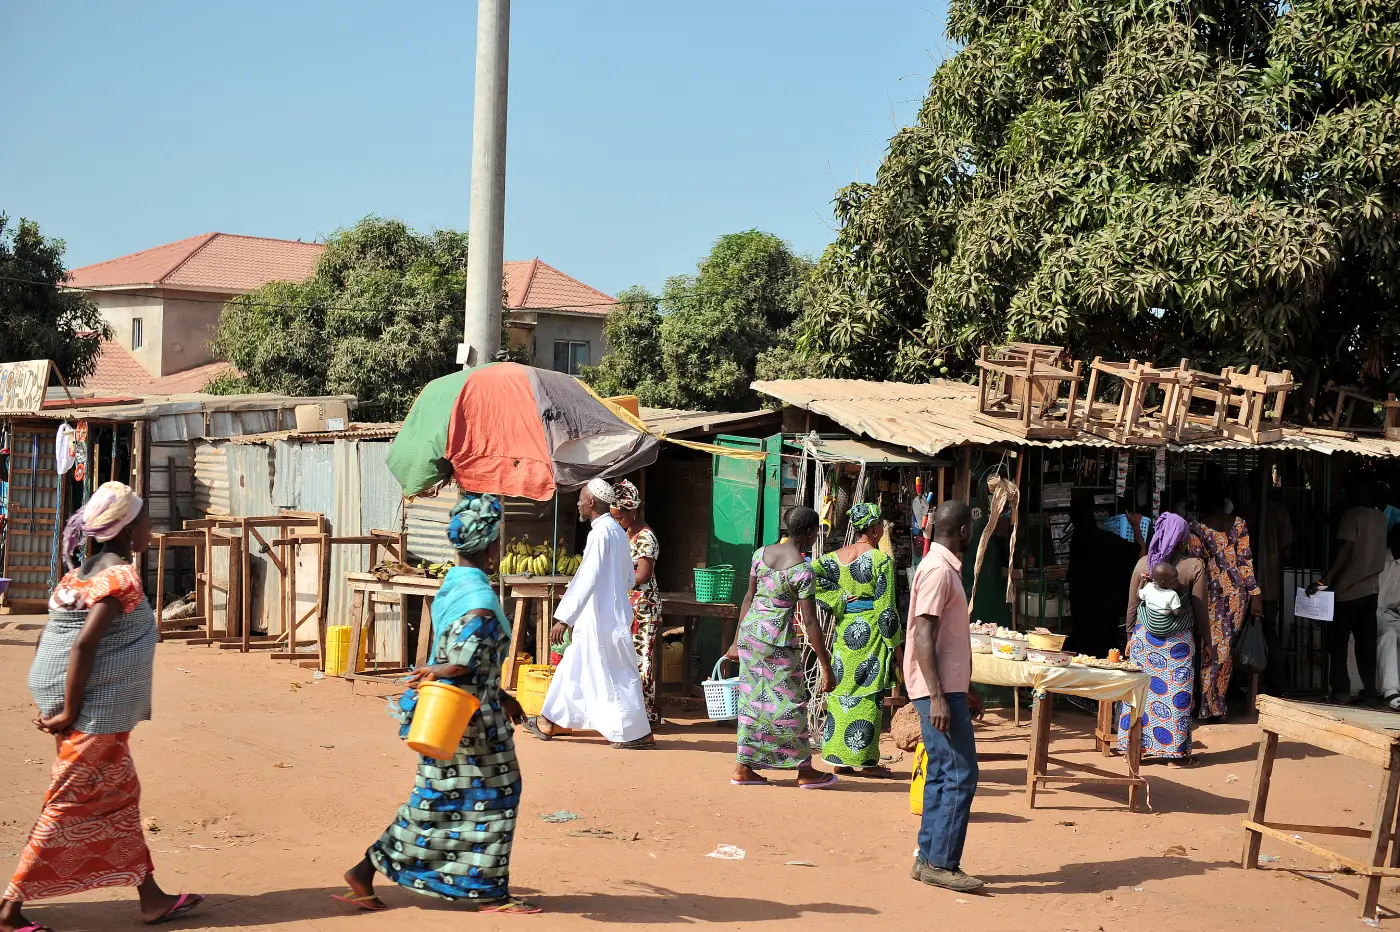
[
  {"x": 533, "y": 285},
  {"x": 217, "y": 262},
  {"x": 118, "y": 371}
]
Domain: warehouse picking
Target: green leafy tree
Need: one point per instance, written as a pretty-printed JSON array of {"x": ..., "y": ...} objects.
[
  {"x": 633, "y": 335},
  {"x": 41, "y": 319},
  {"x": 700, "y": 343},
  {"x": 1215, "y": 179},
  {"x": 380, "y": 318}
]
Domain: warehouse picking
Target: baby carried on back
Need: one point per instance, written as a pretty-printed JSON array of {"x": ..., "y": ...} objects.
[{"x": 1160, "y": 609}]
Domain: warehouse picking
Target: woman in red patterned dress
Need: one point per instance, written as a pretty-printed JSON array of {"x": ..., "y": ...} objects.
[{"x": 91, "y": 680}]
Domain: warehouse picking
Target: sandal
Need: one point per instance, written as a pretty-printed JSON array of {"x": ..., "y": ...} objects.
[
  {"x": 511, "y": 906},
  {"x": 825, "y": 783},
  {"x": 34, "y": 927},
  {"x": 641, "y": 744},
  {"x": 532, "y": 725},
  {"x": 185, "y": 904},
  {"x": 1184, "y": 763},
  {"x": 371, "y": 903}
]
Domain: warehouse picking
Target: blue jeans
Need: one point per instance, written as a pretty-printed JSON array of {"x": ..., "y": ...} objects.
[{"x": 950, "y": 784}]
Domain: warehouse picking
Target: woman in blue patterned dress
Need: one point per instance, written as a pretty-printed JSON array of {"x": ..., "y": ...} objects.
[
  {"x": 772, "y": 691},
  {"x": 452, "y": 839},
  {"x": 1168, "y": 659}
]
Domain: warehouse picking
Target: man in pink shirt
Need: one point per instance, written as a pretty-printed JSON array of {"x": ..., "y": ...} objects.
[{"x": 938, "y": 675}]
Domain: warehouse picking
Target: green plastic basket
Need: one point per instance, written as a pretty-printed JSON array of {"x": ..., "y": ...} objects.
[{"x": 714, "y": 583}]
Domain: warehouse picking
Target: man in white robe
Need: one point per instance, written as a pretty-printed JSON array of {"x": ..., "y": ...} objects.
[{"x": 597, "y": 687}]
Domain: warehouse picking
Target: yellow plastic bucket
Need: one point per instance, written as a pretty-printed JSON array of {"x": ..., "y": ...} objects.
[
  {"x": 440, "y": 719},
  {"x": 916, "y": 785},
  {"x": 531, "y": 686}
]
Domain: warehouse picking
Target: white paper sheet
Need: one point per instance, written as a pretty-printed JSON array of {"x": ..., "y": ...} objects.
[{"x": 1317, "y": 607}]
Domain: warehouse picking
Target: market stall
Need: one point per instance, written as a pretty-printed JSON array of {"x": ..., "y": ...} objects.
[{"x": 1102, "y": 685}]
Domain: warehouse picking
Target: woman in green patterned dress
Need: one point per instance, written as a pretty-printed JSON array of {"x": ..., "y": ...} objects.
[{"x": 857, "y": 584}]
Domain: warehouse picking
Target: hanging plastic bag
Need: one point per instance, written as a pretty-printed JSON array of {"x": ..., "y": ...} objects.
[{"x": 1251, "y": 652}]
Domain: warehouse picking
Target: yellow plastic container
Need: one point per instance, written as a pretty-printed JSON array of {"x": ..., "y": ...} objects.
[
  {"x": 916, "y": 786},
  {"x": 338, "y": 650},
  {"x": 440, "y": 719},
  {"x": 531, "y": 686}
]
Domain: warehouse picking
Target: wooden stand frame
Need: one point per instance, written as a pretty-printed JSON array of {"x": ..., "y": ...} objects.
[
  {"x": 1018, "y": 391},
  {"x": 1342, "y": 732},
  {"x": 1128, "y": 422}
]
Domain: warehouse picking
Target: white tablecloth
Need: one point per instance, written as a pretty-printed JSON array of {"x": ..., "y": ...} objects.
[{"x": 1085, "y": 682}]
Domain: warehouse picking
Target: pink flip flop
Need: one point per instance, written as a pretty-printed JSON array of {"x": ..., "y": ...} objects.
[
  {"x": 186, "y": 904},
  {"x": 371, "y": 903},
  {"x": 751, "y": 782},
  {"x": 830, "y": 781}
]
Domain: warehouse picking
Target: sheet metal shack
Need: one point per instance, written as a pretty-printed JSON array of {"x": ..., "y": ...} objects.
[{"x": 145, "y": 442}]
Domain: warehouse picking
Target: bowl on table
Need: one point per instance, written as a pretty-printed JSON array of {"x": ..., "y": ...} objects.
[
  {"x": 1050, "y": 642},
  {"x": 1049, "y": 658},
  {"x": 982, "y": 643},
  {"x": 1009, "y": 648}
]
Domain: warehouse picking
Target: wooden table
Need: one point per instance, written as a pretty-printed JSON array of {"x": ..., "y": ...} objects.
[
  {"x": 1105, "y": 686},
  {"x": 545, "y": 592},
  {"x": 1364, "y": 734},
  {"x": 366, "y": 589},
  {"x": 681, "y": 608}
]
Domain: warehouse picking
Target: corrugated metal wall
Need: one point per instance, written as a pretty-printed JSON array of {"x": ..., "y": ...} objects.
[
  {"x": 250, "y": 495},
  {"x": 211, "y": 478},
  {"x": 425, "y": 521}
]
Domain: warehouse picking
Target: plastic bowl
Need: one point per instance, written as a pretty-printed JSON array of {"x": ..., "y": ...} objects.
[
  {"x": 1049, "y": 658},
  {"x": 1050, "y": 642},
  {"x": 1009, "y": 648},
  {"x": 982, "y": 643}
]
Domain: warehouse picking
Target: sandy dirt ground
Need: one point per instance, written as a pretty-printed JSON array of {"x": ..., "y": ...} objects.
[{"x": 262, "y": 785}]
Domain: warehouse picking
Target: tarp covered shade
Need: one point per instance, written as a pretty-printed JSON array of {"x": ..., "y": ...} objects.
[{"x": 514, "y": 430}]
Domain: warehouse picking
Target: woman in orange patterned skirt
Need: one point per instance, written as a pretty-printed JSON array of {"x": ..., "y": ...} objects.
[{"x": 91, "y": 680}]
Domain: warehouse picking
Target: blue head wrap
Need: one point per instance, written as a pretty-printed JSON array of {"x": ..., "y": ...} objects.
[{"x": 475, "y": 522}]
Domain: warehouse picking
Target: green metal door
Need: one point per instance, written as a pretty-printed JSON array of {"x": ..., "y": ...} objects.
[
  {"x": 736, "y": 509},
  {"x": 773, "y": 490}
]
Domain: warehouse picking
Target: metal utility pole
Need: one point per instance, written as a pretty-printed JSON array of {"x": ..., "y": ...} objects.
[{"x": 481, "y": 334}]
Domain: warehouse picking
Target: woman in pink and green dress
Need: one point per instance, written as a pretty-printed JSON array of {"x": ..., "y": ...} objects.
[{"x": 772, "y": 689}]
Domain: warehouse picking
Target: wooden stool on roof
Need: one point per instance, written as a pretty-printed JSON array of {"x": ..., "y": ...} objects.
[
  {"x": 1260, "y": 397},
  {"x": 1131, "y": 420},
  {"x": 1018, "y": 390},
  {"x": 1196, "y": 409}
]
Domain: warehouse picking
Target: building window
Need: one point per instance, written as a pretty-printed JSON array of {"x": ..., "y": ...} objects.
[
  {"x": 570, "y": 356},
  {"x": 138, "y": 333}
]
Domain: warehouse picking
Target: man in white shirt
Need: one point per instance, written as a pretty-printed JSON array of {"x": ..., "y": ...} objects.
[
  {"x": 597, "y": 686},
  {"x": 1388, "y": 623}
]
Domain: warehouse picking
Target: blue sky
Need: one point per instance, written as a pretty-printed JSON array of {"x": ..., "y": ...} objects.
[{"x": 638, "y": 131}]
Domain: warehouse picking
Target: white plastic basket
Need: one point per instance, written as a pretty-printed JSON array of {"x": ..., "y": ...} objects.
[{"x": 721, "y": 696}]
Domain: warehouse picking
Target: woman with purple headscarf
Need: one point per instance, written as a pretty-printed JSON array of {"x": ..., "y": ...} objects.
[{"x": 1169, "y": 659}]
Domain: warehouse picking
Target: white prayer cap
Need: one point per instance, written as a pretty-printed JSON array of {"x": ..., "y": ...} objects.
[{"x": 603, "y": 491}]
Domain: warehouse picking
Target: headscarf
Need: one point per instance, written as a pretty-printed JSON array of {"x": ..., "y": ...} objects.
[
  {"x": 602, "y": 491},
  {"x": 1171, "y": 531},
  {"x": 628, "y": 497},
  {"x": 112, "y": 507},
  {"x": 475, "y": 522},
  {"x": 864, "y": 515}
]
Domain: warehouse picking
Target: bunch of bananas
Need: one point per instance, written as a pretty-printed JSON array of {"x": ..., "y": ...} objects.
[
  {"x": 521, "y": 559},
  {"x": 438, "y": 570}
]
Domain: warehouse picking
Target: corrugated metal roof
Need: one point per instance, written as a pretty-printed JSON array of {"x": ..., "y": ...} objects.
[
  {"x": 353, "y": 432},
  {"x": 678, "y": 423},
  {"x": 932, "y": 417},
  {"x": 866, "y": 451}
]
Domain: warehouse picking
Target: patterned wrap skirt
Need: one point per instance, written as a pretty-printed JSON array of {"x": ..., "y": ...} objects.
[
  {"x": 1167, "y": 721},
  {"x": 772, "y": 699},
  {"x": 89, "y": 832}
]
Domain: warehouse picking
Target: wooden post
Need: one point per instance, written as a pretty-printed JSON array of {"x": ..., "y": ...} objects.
[
  {"x": 160, "y": 577},
  {"x": 517, "y": 636},
  {"x": 323, "y": 600},
  {"x": 1134, "y": 755},
  {"x": 245, "y": 608},
  {"x": 423, "y": 654},
  {"x": 359, "y": 599},
  {"x": 1259, "y": 799},
  {"x": 1380, "y": 833},
  {"x": 982, "y": 378},
  {"x": 1028, "y": 393},
  {"x": 1091, "y": 392}
]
